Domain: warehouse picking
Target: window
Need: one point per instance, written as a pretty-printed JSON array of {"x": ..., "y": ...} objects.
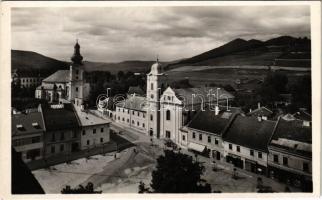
[
  {"x": 151, "y": 86},
  {"x": 184, "y": 138},
  {"x": 143, "y": 125},
  {"x": 52, "y": 149},
  {"x": 118, "y": 118},
  {"x": 194, "y": 135},
  {"x": 305, "y": 167},
  {"x": 62, "y": 136},
  {"x": 87, "y": 142},
  {"x": 123, "y": 119},
  {"x": 151, "y": 117},
  {"x": 84, "y": 132},
  {"x": 251, "y": 152},
  {"x": 102, "y": 130},
  {"x": 62, "y": 147},
  {"x": 285, "y": 161},
  {"x": 94, "y": 130},
  {"x": 168, "y": 114},
  {"x": 152, "y": 96},
  {"x": 76, "y": 89},
  {"x": 143, "y": 115},
  {"x": 238, "y": 148},
  {"x": 132, "y": 121},
  {"x": 138, "y": 123},
  {"x": 167, "y": 134},
  {"x": 53, "y": 138},
  {"x": 77, "y": 71},
  {"x": 216, "y": 141},
  {"x": 74, "y": 134},
  {"x": 260, "y": 155},
  {"x": 139, "y": 114},
  {"x": 209, "y": 139},
  {"x": 275, "y": 158},
  {"x": 123, "y": 109},
  {"x": 230, "y": 146},
  {"x": 128, "y": 111},
  {"x": 132, "y": 112},
  {"x": 35, "y": 139},
  {"x": 200, "y": 137},
  {"x": 102, "y": 140},
  {"x": 127, "y": 120}
]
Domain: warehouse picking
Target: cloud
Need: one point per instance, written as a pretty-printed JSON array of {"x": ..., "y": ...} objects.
[{"x": 113, "y": 34}]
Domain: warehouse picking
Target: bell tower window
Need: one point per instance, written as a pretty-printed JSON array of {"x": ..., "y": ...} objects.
[{"x": 151, "y": 86}]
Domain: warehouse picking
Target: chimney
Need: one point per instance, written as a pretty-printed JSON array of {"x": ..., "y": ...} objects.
[
  {"x": 259, "y": 105},
  {"x": 217, "y": 110},
  {"x": 108, "y": 92},
  {"x": 250, "y": 110}
]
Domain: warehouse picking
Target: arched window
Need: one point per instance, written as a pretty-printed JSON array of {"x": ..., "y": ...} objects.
[{"x": 168, "y": 114}]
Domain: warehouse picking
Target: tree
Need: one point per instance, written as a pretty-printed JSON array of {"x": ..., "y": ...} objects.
[
  {"x": 88, "y": 189},
  {"x": 301, "y": 93},
  {"x": 178, "y": 173}
]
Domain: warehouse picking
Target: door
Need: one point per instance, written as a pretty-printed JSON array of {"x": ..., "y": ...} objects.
[{"x": 218, "y": 155}]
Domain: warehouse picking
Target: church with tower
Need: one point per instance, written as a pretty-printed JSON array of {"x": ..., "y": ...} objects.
[{"x": 66, "y": 85}]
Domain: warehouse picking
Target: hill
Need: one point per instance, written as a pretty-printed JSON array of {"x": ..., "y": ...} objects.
[
  {"x": 32, "y": 61},
  {"x": 284, "y": 51}
]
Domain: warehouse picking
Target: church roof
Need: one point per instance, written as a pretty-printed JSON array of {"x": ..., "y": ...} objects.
[{"x": 61, "y": 76}]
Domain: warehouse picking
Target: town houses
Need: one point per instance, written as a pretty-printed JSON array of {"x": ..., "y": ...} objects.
[{"x": 197, "y": 119}]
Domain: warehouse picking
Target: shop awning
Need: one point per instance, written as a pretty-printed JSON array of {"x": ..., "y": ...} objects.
[{"x": 197, "y": 147}]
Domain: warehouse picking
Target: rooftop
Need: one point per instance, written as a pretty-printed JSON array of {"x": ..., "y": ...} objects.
[
  {"x": 134, "y": 103},
  {"x": 210, "y": 122},
  {"x": 262, "y": 111},
  {"x": 136, "y": 90},
  {"x": 61, "y": 76},
  {"x": 27, "y": 123},
  {"x": 249, "y": 132},
  {"x": 88, "y": 119},
  {"x": 203, "y": 94},
  {"x": 292, "y": 135},
  {"x": 60, "y": 118}
]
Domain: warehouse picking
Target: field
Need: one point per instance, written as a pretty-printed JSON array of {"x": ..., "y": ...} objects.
[{"x": 201, "y": 75}]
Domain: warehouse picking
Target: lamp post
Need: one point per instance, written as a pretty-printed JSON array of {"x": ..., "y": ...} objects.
[{"x": 217, "y": 96}]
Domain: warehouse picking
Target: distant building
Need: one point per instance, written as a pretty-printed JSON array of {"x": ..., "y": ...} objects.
[
  {"x": 26, "y": 79},
  {"x": 261, "y": 112},
  {"x": 28, "y": 135},
  {"x": 290, "y": 153},
  {"x": 135, "y": 90}
]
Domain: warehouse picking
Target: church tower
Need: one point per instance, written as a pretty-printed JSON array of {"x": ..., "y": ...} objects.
[
  {"x": 153, "y": 92},
  {"x": 75, "y": 89}
]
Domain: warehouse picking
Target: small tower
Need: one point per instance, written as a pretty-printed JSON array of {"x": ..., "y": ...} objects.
[
  {"x": 75, "y": 86},
  {"x": 154, "y": 85}
]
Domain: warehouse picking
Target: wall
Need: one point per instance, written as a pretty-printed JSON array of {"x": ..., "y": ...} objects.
[
  {"x": 128, "y": 116},
  {"x": 94, "y": 139}
]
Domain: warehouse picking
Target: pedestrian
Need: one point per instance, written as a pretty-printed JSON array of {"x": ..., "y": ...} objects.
[{"x": 115, "y": 156}]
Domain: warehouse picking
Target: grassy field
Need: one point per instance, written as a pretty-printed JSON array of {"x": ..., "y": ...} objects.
[{"x": 225, "y": 76}]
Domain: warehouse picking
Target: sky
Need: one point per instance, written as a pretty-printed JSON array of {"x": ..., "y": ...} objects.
[{"x": 114, "y": 34}]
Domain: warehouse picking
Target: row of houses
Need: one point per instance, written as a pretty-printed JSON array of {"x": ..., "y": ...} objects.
[
  {"x": 57, "y": 130},
  {"x": 279, "y": 149}
]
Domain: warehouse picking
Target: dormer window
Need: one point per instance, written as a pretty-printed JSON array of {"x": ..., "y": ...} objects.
[
  {"x": 35, "y": 125},
  {"x": 20, "y": 127}
]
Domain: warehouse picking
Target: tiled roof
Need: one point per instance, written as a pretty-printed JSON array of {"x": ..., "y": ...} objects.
[
  {"x": 292, "y": 131},
  {"x": 249, "y": 132},
  {"x": 303, "y": 115},
  {"x": 134, "y": 103},
  {"x": 210, "y": 122},
  {"x": 262, "y": 111},
  {"x": 61, "y": 76},
  {"x": 60, "y": 118},
  {"x": 197, "y": 95},
  {"x": 25, "y": 123},
  {"x": 88, "y": 119}
]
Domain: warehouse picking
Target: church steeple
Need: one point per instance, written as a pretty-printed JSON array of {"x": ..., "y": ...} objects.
[{"x": 77, "y": 57}]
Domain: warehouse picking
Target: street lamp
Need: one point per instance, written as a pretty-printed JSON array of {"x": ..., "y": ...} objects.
[{"x": 217, "y": 96}]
